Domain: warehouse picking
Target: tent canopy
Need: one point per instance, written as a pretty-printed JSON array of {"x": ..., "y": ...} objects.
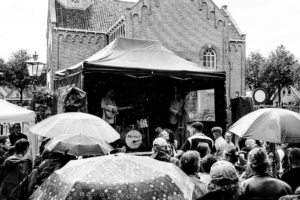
[
  {"x": 12, "y": 113},
  {"x": 140, "y": 58}
]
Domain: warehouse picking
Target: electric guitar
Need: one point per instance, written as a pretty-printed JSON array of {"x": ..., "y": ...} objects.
[{"x": 115, "y": 110}]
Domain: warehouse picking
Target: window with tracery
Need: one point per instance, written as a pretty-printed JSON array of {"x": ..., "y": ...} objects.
[{"x": 209, "y": 59}]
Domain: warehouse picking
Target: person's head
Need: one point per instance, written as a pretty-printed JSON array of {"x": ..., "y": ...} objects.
[
  {"x": 217, "y": 132},
  {"x": 258, "y": 160},
  {"x": 4, "y": 142},
  {"x": 268, "y": 146},
  {"x": 203, "y": 149},
  {"x": 228, "y": 137},
  {"x": 190, "y": 162},
  {"x": 158, "y": 131},
  {"x": 16, "y": 128},
  {"x": 160, "y": 144},
  {"x": 171, "y": 135},
  {"x": 294, "y": 157},
  {"x": 224, "y": 178},
  {"x": 164, "y": 134},
  {"x": 22, "y": 146},
  {"x": 42, "y": 146},
  {"x": 250, "y": 143},
  {"x": 178, "y": 96},
  {"x": 197, "y": 127},
  {"x": 207, "y": 162},
  {"x": 111, "y": 93},
  {"x": 231, "y": 155}
]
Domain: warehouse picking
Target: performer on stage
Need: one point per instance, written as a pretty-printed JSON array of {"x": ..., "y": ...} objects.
[
  {"x": 176, "y": 111},
  {"x": 179, "y": 119},
  {"x": 110, "y": 108}
]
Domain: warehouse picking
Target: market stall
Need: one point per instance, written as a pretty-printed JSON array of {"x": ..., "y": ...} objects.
[
  {"x": 11, "y": 113},
  {"x": 146, "y": 76}
]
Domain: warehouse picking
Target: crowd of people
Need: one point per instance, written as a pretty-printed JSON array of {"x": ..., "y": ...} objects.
[{"x": 219, "y": 169}]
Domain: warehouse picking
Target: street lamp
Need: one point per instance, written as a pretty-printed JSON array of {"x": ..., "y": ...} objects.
[{"x": 35, "y": 68}]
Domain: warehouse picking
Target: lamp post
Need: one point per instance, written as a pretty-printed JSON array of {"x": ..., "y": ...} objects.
[{"x": 35, "y": 68}]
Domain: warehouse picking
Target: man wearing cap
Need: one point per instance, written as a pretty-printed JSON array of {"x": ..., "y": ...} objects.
[
  {"x": 193, "y": 141},
  {"x": 220, "y": 142},
  {"x": 161, "y": 151}
]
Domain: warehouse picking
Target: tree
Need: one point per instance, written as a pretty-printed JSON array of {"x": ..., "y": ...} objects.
[
  {"x": 279, "y": 69},
  {"x": 16, "y": 74},
  {"x": 254, "y": 68},
  {"x": 2, "y": 69}
]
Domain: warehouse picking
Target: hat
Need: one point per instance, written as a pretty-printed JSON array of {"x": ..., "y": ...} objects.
[
  {"x": 160, "y": 142},
  {"x": 223, "y": 173}
]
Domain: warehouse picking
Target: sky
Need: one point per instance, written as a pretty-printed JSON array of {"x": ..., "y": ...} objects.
[{"x": 266, "y": 23}]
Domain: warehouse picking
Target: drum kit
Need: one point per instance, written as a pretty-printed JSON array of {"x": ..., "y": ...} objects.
[{"x": 132, "y": 135}]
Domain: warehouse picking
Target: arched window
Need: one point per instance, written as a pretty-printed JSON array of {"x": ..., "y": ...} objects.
[{"x": 209, "y": 58}]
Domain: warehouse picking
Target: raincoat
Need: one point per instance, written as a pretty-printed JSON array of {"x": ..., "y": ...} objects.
[{"x": 15, "y": 169}]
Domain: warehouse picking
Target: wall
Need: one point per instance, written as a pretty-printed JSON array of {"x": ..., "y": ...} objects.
[
  {"x": 70, "y": 48},
  {"x": 183, "y": 26}
]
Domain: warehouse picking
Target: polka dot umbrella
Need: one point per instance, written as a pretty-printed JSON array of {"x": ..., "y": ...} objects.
[{"x": 116, "y": 177}]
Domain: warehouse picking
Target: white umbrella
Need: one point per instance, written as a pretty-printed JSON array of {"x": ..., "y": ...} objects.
[
  {"x": 78, "y": 145},
  {"x": 269, "y": 124},
  {"x": 76, "y": 123}
]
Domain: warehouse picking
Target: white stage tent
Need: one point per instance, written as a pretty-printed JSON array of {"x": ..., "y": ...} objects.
[{"x": 11, "y": 113}]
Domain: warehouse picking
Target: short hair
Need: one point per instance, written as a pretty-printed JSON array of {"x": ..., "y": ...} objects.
[
  {"x": 218, "y": 130},
  {"x": 207, "y": 162},
  {"x": 232, "y": 153},
  {"x": 228, "y": 133},
  {"x": 259, "y": 160},
  {"x": 198, "y": 126},
  {"x": 21, "y": 145},
  {"x": 3, "y": 139},
  {"x": 294, "y": 156},
  {"x": 16, "y": 124},
  {"x": 248, "y": 142},
  {"x": 203, "y": 149},
  {"x": 190, "y": 162}
]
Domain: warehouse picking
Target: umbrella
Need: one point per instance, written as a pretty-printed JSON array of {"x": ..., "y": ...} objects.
[
  {"x": 78, "y": 145},
  {"x": 116, "y": 177},
  {"x": 269, "y": 124},
  {"x": 76, "y": 123}
]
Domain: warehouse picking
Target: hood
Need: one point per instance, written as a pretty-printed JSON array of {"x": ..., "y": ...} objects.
[
  {"x": 161, "y": 156},
  {"x": 13, "y": 160}
]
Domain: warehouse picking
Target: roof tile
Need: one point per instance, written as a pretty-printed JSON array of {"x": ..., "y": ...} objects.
[{"x": 98, "y": 17}]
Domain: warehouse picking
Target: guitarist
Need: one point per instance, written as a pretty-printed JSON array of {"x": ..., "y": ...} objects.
[{"x": 109, "y": 106}]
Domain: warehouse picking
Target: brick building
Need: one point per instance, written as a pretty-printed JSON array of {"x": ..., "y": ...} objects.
[{"x": 196, "y": 30}]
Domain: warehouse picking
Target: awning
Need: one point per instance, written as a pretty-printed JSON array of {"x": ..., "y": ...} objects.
[
  {"x": 141, "y": 59},
  {"x": 12, "y": 113}
]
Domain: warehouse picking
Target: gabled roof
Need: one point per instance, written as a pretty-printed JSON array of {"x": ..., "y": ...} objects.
[
  {"x": 294, "y": 90},
  {"x": 225, "y": 10},
  {"x": 98, "y": 17}
]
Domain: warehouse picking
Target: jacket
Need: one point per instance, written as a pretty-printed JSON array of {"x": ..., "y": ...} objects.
[
  {"x": 15, "y": 169},
  {"x": 264, "y": 187}
]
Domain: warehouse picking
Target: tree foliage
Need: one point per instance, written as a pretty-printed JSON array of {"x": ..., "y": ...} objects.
[
  {"x": 279, "y": 70},
  {"x": 16, "y": 74},
  {"x": 254, "y": 68}
]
